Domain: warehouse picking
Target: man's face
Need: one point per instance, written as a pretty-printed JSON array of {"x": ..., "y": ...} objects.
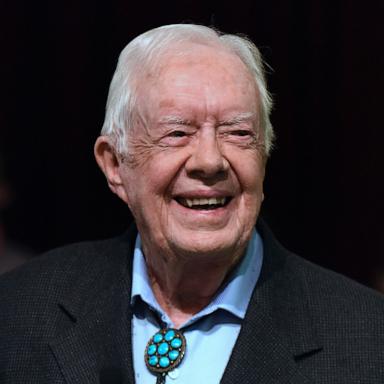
[{"x": 195, "y": 175}]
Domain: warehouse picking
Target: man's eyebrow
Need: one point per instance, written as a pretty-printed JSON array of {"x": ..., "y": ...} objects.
[
  {"x": 237, "y": 119},
  {"x": 173, "y": 119},
  {"x": 240, "y": 118}
]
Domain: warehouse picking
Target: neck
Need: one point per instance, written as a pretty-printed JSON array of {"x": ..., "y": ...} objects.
[{"x": 185, "y": 285}]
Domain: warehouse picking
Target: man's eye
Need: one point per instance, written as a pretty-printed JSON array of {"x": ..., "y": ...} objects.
[
  {"x": 178, "y": 134},
  {"x": 240, "y": 132}
]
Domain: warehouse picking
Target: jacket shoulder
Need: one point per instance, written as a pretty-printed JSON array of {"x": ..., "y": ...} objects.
[
  {"x": 325, "y": 290},
  {"x": 337, "y": 292},
  {"x": 73, "y": 272},
  {"x": 56, "y": 267}
]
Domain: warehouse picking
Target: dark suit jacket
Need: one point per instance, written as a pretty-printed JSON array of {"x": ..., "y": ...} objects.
[{"x": 65, "y": 318}]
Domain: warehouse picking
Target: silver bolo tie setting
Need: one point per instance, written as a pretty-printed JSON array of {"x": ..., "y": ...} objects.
[{"x": 164, "y": 352}]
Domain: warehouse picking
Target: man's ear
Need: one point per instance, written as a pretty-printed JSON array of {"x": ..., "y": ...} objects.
[{"x": 111, "y": 165}]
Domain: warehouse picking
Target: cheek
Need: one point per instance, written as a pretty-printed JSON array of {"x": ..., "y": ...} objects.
[
  {"x": 162, "y": 171},
  {"x": 250, "y": 171},
  {"x": 154, "y": 177},
  {"x": 132, "y": 187}
]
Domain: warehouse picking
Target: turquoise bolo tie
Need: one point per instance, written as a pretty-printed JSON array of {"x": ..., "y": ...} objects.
[{"x": 164, "y": 352}]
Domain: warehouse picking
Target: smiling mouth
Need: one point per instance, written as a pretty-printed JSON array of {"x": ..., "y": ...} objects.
[{"x": 203, "y": 204}]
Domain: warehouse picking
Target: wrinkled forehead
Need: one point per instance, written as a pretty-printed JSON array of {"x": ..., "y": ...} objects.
[
  {"x": 190, "y": 54},
  {"x": 198, "y": 64}
]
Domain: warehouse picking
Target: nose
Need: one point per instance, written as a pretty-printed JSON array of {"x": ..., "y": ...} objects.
[{"x": 207, "y": 161}]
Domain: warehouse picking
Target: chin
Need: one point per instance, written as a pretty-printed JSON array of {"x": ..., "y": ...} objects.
[{"x": 209, "y": 243}]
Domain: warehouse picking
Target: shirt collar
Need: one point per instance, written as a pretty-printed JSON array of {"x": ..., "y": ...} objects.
[{"x": 232, "y": 297}]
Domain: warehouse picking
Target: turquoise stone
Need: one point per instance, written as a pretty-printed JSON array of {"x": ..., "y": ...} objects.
[
  {"x": 151, "y": 349},
  {"x": 153, "y": 360},
  {"x": 164, "y": 352},
  {"x": 170, "y": 335},
  {"x": 158, "y": 337},
  {"x": 173, "y": 355},
  {"x": 176, "y": 343},
  {"x": 163, "y": 349},
  {"x": 164, "y": 362}
]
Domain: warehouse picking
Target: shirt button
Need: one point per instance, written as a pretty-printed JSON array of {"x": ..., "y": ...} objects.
[{"x": 174, "y": 374}]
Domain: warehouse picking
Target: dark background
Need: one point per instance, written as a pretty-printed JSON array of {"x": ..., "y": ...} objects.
[{"x": 324, "y": 182}]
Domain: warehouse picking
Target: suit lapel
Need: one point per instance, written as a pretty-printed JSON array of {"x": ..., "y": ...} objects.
[
  {"x": 99, "y": 342},
  {"x": 277, "y": 330},
  {"x": 95, "y": 346}
]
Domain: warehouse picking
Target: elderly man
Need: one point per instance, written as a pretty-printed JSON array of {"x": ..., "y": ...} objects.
[{"x": 194, "y": 292}]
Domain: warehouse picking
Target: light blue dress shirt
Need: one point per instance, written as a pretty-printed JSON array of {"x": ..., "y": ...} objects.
[{"x": 210, "y": 334}]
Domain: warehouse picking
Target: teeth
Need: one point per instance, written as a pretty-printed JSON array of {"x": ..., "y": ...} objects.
[{"x": 210, "y": 201}]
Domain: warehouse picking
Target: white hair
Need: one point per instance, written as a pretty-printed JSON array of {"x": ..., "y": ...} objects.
[{"x": 145, "y": 50}]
